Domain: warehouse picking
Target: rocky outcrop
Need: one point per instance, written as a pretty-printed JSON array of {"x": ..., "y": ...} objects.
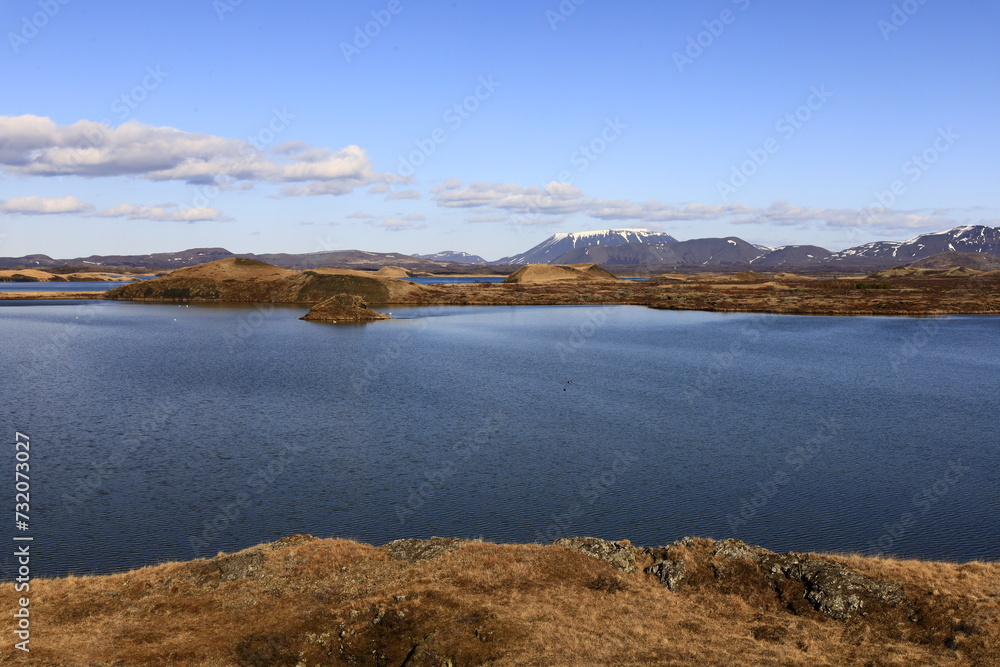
[
  {"x": 802, "y": 582},
  {"x": 343, "y": 308},
  {"x": 412, "y": 551},
  {"x": 617, "y": 554}
]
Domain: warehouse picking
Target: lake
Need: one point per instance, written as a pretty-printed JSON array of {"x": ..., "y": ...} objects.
[
  {"x": 166, "y": 432},
  {"x": 68, "y": 286}
]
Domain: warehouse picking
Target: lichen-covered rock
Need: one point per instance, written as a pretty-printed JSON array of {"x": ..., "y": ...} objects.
[
  {"x": 833, "y": 589},
  {"x": 669, "y": 572},
  {"x": 412, "y": 551},
  {"x": 619, "y": 554},
  {"x": 830, "y": 588}
]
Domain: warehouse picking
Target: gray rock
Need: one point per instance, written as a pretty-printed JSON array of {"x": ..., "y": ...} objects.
[
  {"x": 670, "y": 572},
  {"x": 618, "y": 554},
  {"x": 412, "y": 551}
]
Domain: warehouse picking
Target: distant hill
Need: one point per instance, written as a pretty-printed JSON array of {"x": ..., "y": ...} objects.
[
  {"x": 358, "y": 259},
  {"x": 609, "y": 247},
  {"x": 548, "y": 273},
  {"x": 454, "y": 256},
  {"x": 557, "y": 245},
  {"x": 969, "y": 260}
]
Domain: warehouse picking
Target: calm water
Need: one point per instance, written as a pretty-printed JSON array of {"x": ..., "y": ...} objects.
[
  {"x": 165, "y": 432},
  {"x": 82, "y": 286},
  {"x": 454, "y": 280}
]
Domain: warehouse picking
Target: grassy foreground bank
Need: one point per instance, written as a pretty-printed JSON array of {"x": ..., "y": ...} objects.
[{"x": 308, "y": 601}]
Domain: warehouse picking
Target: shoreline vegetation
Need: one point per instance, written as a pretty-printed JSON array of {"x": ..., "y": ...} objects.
[
  {"x": 899, "y": 291},
  {"x": 580, "y": 601}
]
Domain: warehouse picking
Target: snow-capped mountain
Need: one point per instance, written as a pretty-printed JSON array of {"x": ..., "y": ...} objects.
[
  {"x": 711, "y": 251},
  {"x": 454, "y": 256},
  {"x": 559, "y": 244},
  {"x": 967, "y": 238}
]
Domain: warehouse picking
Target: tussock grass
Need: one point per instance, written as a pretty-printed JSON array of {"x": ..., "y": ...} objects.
[{"x": 305, "y": 601}]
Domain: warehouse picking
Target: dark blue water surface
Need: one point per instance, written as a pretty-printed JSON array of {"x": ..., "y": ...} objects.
[
  {"x": 167, "y": 432},
  {"x": 82, "y": 286},
  {"x": 455, "y": 280}
]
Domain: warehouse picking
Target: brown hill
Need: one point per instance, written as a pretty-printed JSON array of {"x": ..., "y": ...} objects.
[
  {"x": 911, "y": 272},
  {"x": 29, "y": 276},
  {"x": 968, "y": 260},
  {"x": 547, "y": 273},
  {"x": 580, "y": 601},
  {"x": 394, "y": 272},
  {"x": 238, "y": 279}
]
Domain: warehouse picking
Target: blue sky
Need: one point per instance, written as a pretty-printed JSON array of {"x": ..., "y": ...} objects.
[{"x": 488, "y": 126}]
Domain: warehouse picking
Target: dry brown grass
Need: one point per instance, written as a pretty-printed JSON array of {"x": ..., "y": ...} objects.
[{"x": 303, "y": 601}]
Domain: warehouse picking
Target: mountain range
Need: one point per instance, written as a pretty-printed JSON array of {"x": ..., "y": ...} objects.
[
  {"x": 610, "y": 247},
  {"x": 634, "y": 247}
]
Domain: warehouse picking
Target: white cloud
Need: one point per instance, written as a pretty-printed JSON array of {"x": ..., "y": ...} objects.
[
  {"x": 44, "y": 205},
  {"x": 539, "y": 206},
  {"x": 564, "y": 199},
  {"x": 784, "y": 214},
  {"x": 381, "y": 188},
  {"x": 405, "y": 194},
  {"x": 397, "y": 225},
  {"x": 358, "y": 215},
  {"x": 165, "y": 213},
  {"x": 37, "y": 146}
]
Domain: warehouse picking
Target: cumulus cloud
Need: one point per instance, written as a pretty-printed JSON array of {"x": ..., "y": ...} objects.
[
  {"x": 537, "y": 206},
  {"x": 449, "y": 184},
  {"x": 783, "y": 213},
  {"x": 358, "y": 215},
  {"x": 165, "y": 213},
  {"x": 398, "y": 225},
  {"x": 487, "y": 218},
  {"x": 37, "y": 146},
  {"x": 44, "y": 206},
  {"x": 564, "y": 199},
  {"x": 404, "y": 194}
]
